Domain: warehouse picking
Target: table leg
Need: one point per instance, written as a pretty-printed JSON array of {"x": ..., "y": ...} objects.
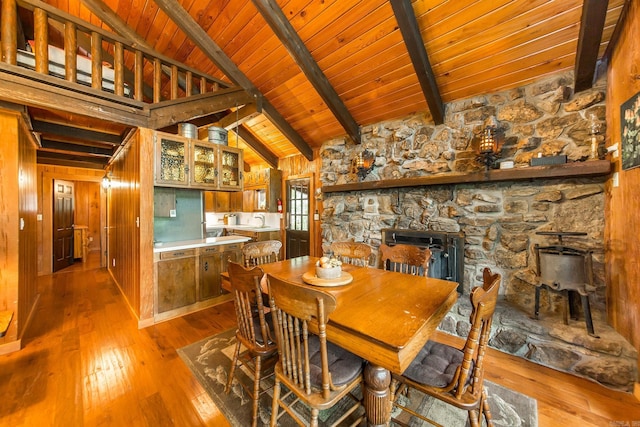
[{"x": 376, "y": 395}]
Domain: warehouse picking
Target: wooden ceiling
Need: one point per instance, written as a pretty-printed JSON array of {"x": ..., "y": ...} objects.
[{"x": 326, "y": 68}]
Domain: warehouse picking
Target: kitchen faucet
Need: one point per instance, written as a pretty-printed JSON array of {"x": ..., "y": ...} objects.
[{"x": 261, "y": 218}]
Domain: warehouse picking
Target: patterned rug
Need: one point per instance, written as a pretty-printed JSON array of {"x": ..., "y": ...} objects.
[{"x": 210, "y": 360}]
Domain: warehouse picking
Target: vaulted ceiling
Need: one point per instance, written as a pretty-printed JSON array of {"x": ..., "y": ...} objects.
[{"x": 326, "y": 68}]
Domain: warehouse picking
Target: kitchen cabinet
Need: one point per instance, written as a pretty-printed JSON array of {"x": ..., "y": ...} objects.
[
  {"x": 255, "y": 236},
  {"x": 176, "y": 279},
  {"x": 213, "y": 261},
  {"x": 183, "y": 162},
  {"x": 262, "y": 190},
  {"x": 223, "y": 201},
  {"x": 189, "y": 279}
]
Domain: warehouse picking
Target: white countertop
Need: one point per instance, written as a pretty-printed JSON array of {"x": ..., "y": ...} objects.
[
  {"x": 244, "y": 227},
  {"x": 198, "y": 243}
]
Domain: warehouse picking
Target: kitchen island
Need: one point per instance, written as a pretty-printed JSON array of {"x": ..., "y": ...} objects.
[{"x": 187, "y": 274}]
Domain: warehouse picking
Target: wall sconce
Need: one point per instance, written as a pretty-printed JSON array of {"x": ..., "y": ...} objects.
[
  {"x": 106, "y": 180},
  {"x": 488, "y": 149},
  {"x": 363, "y": 163}
]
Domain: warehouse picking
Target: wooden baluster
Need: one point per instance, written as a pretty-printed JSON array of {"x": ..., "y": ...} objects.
[
  {"x": 9, "y": 32},
  {"x": 41, "y": 40},
  {"x": 96, "y": 61},
  {"x": 188, "y": 84},
  {"x": 157, "y": 80},
  {"x": 174, "y": 82},
  {"x": 118, "y": 68},
  {"x": 139, "y": 77},
  {"x": 70, "y": 48},
  {"x": 216, "y": 87},
  {"x": 203, "y": 85}
]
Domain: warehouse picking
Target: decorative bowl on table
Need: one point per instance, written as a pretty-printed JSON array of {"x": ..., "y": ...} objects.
[{"x": 328, "y": 268}]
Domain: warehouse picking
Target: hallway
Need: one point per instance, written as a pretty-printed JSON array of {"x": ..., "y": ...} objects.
[{"x": 84, "y": 362}]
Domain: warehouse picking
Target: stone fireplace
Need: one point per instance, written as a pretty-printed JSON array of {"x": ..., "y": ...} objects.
[{"x": 498, "y": 220}]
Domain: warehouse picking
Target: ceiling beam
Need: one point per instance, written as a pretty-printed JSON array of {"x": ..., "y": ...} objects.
[
  {"x": 238, "y": 117},
  {"x": 594, "y": 13},
  {"x": 200, "y": 38},
  {"x": 76, "y": 133},
  {"x": 167, "y": 113},
  {"x": 410, "y": 30},
  {"x": 48, "y": 143},
  {"x": 288, "y": 36},
  {"x": 256, "y": 145}
]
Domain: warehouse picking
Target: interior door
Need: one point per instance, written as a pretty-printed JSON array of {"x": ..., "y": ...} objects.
[
  {"x": 297, "y": 230},
  {"x": 62, "y": 224}
]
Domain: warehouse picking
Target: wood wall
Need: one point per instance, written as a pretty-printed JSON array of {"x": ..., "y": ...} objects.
[
  {"x": 87, "y": 211},
  {"x": 130, "y": 224},
  {"x": 18, "y": 235},
  {"x": 623, "y": 204},
  {"x": 84, "y": 179},
  {"x": 298, "y": 167}
]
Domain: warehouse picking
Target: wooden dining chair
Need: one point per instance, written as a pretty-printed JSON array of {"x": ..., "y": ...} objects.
[
  {"x": 453, "y": 375},
  {"x": 254, "y": 331},
  {"x": 258, "y": 253},
  {"x": 405, "y": 259},
  {"x": 354, "y": 253},
  {"x": 315, "y": 371}
]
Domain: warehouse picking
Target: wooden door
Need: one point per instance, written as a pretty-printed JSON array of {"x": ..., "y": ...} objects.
[
  {"x": 63, "y": 192},
  {"x": 297, "y": 226}
]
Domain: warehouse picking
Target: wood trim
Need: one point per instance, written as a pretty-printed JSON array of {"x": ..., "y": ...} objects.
[
  {"x": 410, "y": 30},
  {"x": 594, "y": 13},
  {"x": 256, "y": 145},
  {"x": 567, "y": 170}
]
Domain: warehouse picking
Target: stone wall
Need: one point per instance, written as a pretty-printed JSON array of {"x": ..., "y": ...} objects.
[{"x": 500, "y": 220}]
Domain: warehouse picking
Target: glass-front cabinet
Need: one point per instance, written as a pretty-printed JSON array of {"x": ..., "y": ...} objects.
[
  {"x": 204, "y": 164},
  {"x": 172, "y": 155},
  {"x": 231, "y": 165},
  {"x": 183, "y": 162}
]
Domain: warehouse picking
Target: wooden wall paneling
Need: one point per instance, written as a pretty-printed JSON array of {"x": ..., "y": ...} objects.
[
  {"x": 299, "y": 167},
  {"x": 46, "y": 175},
  {"x": 87, "y": 211},
  {"x": 145, "y": 185},
  {"x": 623, "y": 205},
  {"x": 18, "y": 236}
]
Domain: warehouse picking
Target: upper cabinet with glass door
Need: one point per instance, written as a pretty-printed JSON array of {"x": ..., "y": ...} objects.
[
  {"x": 172, "y": 159},
  {"x": 183, "y": 162},
  {"x": 231, "y": 168}
]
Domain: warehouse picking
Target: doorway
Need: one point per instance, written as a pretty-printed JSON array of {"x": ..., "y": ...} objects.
[
  {"x": 63, "y": 202},
  {"x": 297, "y": 224}
]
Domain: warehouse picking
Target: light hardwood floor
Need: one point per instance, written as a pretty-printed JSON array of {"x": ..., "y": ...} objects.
[{"x": 85, "y": 363}]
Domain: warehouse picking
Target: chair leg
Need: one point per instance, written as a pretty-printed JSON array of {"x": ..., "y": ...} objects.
[
  {"x": 314, "y": 417},
  {"x": 256, "y": 391},
  {"x": 474, "y": 418},
  {"x": 486, "y": 411},
  {"x": 275, "y": 403},
  {"x": 234, "y": 362}
]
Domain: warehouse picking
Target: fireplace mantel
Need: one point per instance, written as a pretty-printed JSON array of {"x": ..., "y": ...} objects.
[{"x": 567, "y": 170}]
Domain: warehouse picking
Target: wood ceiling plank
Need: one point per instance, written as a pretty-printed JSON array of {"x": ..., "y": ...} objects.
[
  {"x": 75, "y": 133},
  {"x": 287, "y": 35},
  {"x": 258, "y": 147}
]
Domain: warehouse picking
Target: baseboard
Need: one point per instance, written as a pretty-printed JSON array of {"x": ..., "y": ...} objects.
[{"x": 10, "y": 347}]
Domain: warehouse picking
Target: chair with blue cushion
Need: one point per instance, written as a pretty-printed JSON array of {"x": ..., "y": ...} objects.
[
  {"x": 453, "y": 375},
  {"x": 314, "y": 371},
  {"x": 254, "y": 332}
]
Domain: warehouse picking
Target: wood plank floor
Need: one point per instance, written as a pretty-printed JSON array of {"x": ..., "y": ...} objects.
[{"x": 85, "y": 363}]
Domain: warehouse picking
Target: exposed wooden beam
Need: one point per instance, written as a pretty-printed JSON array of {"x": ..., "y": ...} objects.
[
  {"x": 410, "y": 30},
  {"x": 49, "y": 143},
  {"x": 166, "y": 113},
  {"x": 594, "y": 13},
  {"x": 288, "y": 36},
  {"x": 76, "y": 133},
  {"x": 200, "y": 38},
  {"x": 236, "y": 118},
  {"x": 73, "y": 153},
  {"x": 256, "y": 145},
  {"x": 65, "y": 160}
]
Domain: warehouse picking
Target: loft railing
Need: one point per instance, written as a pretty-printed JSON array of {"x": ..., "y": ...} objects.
[{"x": 91, "y": 56}]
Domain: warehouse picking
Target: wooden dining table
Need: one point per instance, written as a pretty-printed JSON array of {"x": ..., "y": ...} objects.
[{"x": 382, "y": 316}]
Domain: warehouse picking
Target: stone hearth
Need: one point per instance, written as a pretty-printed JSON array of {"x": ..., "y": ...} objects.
[{"x": 499, "y": 220}]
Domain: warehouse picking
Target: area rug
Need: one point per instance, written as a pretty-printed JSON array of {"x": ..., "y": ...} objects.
[{"x": 210, "y": 359}]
